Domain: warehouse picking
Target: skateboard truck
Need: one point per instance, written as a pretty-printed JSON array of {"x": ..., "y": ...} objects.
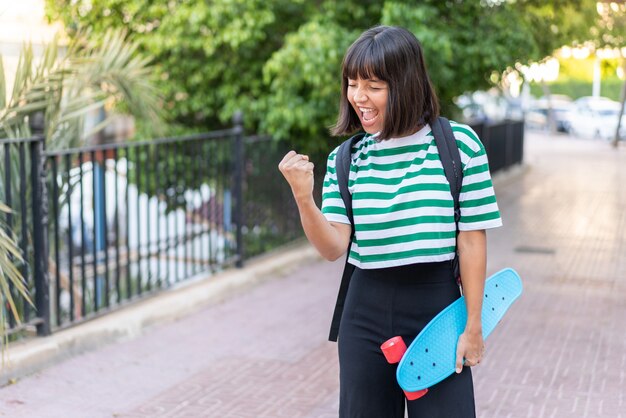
[{"x": 393, "y": 349}]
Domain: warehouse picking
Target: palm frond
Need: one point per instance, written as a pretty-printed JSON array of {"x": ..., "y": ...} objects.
[
  {"x": 3, "y": 86},
  {"x": 23, "y": 75},
  {"x": 120, "y": 72},
  {"x": 50, "y": 57},
  {"x": 68, "y": 88},
  {"x": 10, "y": 276}
]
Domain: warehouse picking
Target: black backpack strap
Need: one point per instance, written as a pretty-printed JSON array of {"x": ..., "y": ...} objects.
[
  {"x": 451, "y": 161},
  {"x": 342, "y": 168}
]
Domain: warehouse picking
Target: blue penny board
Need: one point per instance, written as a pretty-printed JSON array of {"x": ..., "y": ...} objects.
[{"x": 432, "y": 355}]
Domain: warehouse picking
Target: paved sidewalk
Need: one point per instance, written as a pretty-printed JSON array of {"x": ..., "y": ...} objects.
[{"x": 559, "y": 352}]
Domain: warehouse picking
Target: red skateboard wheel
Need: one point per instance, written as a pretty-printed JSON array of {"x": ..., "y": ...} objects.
[
  {"x": 411, "y": 396},
  {"x": 393, "y": 349}
]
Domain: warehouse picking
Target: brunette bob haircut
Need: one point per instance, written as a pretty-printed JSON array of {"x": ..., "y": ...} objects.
[{"x": 394, "y": 55}]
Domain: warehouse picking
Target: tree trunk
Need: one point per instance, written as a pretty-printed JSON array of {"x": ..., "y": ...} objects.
[
  {"x": 551, "y": 119},
  {"x": 622, "y": 100}
]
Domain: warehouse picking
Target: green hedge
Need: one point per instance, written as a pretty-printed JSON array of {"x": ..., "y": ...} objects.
[{"x": 610, "y": 88}]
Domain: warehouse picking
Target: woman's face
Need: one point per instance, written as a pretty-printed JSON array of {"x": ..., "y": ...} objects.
[{"x": 368, "y": 97}]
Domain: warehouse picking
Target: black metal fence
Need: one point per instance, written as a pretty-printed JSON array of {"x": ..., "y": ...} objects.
[
  {"x": 21, "y": 191},
  {"x": 270, "y": 215},
  {"x": 102, "y": 226},
  {"x": 503, "y": 141},
  {"x": 130, "y": 219}
]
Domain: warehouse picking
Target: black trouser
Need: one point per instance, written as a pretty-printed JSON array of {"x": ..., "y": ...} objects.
[{"x": 383, "y": 303}]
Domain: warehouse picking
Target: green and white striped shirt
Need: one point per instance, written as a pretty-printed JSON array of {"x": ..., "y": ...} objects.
[{"x": 401, "y": 200}]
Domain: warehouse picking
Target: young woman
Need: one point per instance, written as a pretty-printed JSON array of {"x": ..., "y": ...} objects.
[{"x": 405, "y": 234}]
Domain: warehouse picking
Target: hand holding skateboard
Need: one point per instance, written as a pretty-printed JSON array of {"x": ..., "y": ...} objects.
[{"x": 432, "y": 355}]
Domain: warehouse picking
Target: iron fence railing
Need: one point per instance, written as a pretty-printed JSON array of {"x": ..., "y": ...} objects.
[
  {"x": 105, "y": 225},
  {"x": 503, "y": 141},
  {"x": 130, "y": 219},
  {"x": 270, "y": 214},
  {"x": 20, "y": 190}
]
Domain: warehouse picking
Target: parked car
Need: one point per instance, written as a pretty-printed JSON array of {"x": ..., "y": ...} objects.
[
  {"x": 488, "y": 106},
  {"x": 596, "y": 117},
  {"x": 537, "y": 115}
]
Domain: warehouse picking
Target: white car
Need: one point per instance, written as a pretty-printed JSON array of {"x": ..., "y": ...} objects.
[
  {"x": 537, "y": 115},
  {"x": 596, "y": 117}
]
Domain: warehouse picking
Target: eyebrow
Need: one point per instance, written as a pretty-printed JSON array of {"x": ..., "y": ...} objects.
[{"x": 373, "y": 80}]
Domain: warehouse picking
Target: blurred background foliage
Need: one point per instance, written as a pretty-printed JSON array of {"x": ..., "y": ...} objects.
[
  {"x": 575, "y": 79},
  {"x": 66, "y": 86},
  {"x": 279, "y": 61}
]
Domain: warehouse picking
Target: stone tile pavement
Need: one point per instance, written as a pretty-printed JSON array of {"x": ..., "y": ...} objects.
[{"x": 559, "y": 352}]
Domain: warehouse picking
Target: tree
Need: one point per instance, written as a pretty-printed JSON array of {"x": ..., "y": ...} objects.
[
  {"x": 465, "y": 44},
  {"x": 208, "y": 56},
  {"x": 554, "y": 23},
  {"x": 304, "y": 79},
  {"x": 279, "y": 61},
  {"x": 610, "y": 33}
]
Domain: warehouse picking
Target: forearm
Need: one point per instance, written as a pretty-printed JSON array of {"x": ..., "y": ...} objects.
[
  {"x": 473, "y": 261},
  {"x": 329, "y": 241}
]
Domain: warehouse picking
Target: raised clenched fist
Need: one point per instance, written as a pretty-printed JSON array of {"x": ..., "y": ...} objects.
[{"x": 298, "y": 172}]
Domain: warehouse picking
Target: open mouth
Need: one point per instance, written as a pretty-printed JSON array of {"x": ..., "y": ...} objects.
[{"x": 368, "y": 115}]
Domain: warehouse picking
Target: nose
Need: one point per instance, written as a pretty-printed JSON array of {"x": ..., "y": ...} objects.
[{"x": 359, "y": 96}]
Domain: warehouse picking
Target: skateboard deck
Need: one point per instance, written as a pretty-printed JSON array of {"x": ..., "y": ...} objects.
[{"x": 432, "y": 355}]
